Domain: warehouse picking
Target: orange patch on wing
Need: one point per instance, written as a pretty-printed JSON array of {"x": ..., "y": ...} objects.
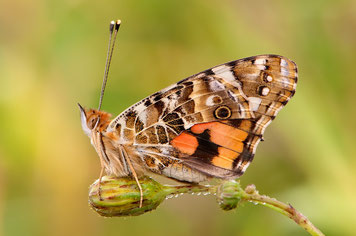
[
  {"x": 225, "y": 158},
  {"x": 186, "y": 143},
  {"x": 223, "y": 135},
  {"x": 199, "y": 128}
]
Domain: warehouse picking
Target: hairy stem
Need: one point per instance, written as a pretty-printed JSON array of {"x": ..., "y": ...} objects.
[{"x": 250, "y": 194}]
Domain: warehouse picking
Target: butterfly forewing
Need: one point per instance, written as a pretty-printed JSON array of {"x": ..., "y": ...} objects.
[{"x": 208, "y": 124}]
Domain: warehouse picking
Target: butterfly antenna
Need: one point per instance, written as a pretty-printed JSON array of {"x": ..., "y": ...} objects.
[{"x": 114, "y": 28}]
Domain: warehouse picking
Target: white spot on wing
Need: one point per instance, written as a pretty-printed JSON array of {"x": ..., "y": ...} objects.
[
  {"x": 140, "y": 107},
  {"x": 143, "y": 117},
  {"x": 210, "y": 100},
  {"x": 269, "y": 78},
  {"x": 225, "y": 73},
  {"x": 265, "y": 91},
  {"x": 261, "y": 67},
  {"x": 260, "y": 61},
  {"x": 284, "y": 63},
  {"x": 220, "y": 69},
  {"x": 216, "y": 86},
  {"x": 284, "y": 72},
  {"x": 254, "y": 103}
]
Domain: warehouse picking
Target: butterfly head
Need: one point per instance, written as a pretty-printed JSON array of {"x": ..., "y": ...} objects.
[{"x": 93, "y": 120}]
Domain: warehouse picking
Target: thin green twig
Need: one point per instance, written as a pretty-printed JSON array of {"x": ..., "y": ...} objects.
[{"x": 252, "y": 195}]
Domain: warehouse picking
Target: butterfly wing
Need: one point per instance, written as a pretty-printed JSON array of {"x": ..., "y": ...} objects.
[{"x": 210, "y": 123}]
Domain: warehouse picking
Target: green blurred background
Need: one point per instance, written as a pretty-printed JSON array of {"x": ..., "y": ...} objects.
[{"x": 52, "y": 55}]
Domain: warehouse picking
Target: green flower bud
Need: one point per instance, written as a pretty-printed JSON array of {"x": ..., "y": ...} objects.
[
  {"x": 121, "y": 196},
  {"x": 229, "y": 195}
]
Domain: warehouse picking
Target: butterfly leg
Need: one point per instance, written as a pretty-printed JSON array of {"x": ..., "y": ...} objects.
[
  {"x": 138, "y": 183},
  {"x": 100, "y": 177},
  {"x": 127, "y": 158}
]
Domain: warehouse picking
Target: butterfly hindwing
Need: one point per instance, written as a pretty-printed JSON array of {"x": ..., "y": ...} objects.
[
  {"x": 221, "y": 149},
  {"x": 210, "y": 123}
]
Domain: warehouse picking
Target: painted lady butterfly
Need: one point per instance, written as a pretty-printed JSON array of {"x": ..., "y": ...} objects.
[{"x": 207, "y": 125}]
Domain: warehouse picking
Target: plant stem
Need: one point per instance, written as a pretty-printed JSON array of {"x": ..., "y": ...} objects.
[
  {"x": 250, "y": 194},
  {"x": 285, "y": 209},
  {"x": 192, "y": 189}
]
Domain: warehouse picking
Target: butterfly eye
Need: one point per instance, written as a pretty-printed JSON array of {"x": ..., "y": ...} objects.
[
  {"x": 222, "y": 112},
  {"x": 92, "y": 122}
]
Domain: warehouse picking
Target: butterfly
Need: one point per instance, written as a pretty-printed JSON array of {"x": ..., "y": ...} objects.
[{"x": 205, "y": 126}]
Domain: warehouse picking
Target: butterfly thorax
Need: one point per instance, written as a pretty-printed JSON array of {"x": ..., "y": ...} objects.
[{"x": 113, "y": 154}]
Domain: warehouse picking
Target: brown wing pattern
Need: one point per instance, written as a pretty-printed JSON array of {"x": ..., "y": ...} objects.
[{"x": 209, "y": 124}]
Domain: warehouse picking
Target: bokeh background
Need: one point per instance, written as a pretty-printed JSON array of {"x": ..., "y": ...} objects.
[{"x": 52, "y": 55}]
